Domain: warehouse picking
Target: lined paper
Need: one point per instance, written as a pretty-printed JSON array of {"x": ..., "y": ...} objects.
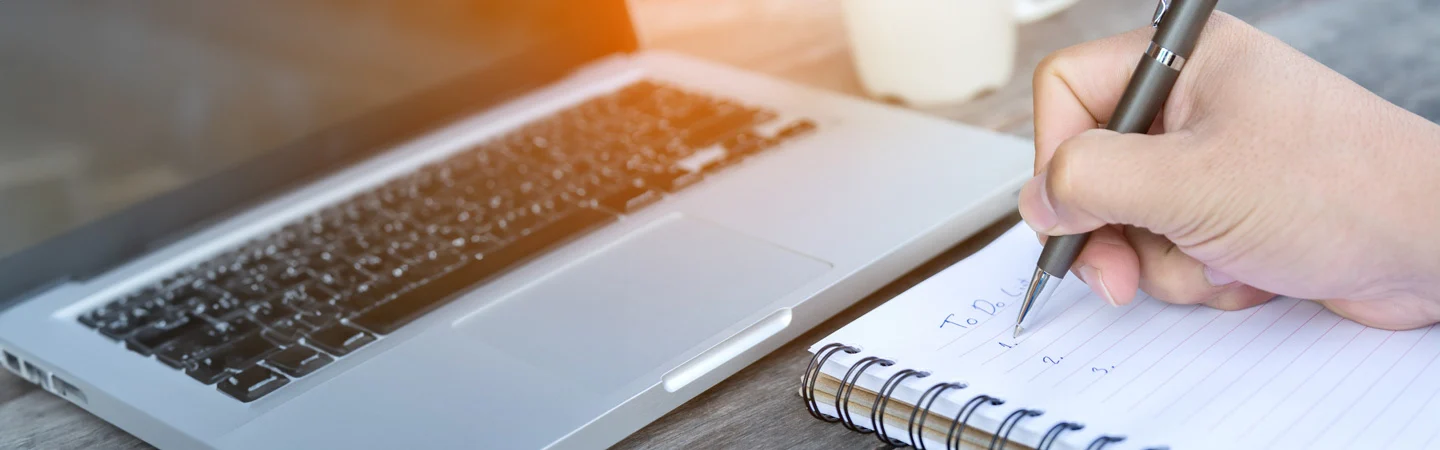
[{"x": 1285, "y": 374}]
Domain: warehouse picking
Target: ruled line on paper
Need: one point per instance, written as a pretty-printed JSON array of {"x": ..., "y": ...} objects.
[
  {"x": 1257, "y": 362},
  {"x": 1171, "y": 350},
  {"x": 1087, "y": 341},
  {"x": 1067, "y": 332},
  {"x": 1147, "y": 345},
  {"x": 1330, "y": 391},
  {"x": 1402, "y": 428},
  {"x": 1112, "y": 345},
  {"x": 1431, "y": 440},
  {"x": 1282, "y": 369},
  {"x": 1222, "y": 337},
  {"x": 1367, "y": 389},
  {"x": 1308, "y": 376},
  {"x": 1397, "y": 396},
  {"x": 958, "y": 338},
  {"x": 1241, "y": 349}
]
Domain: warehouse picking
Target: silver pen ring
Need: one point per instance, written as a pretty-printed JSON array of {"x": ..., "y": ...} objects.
[{"x": 1165, "y": 56}]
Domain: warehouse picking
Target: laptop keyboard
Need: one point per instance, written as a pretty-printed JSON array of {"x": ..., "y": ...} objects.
[{"x": 285, "y": 305}]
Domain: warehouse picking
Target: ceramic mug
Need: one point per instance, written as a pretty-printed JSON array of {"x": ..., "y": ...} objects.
[{"x": 927, "y": 52}]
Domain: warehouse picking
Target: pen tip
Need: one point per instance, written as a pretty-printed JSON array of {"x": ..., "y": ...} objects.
[{"x": 1017, "y": 332}]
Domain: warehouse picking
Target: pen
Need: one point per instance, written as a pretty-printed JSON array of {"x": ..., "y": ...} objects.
[{"x": 1177, "y": 27}]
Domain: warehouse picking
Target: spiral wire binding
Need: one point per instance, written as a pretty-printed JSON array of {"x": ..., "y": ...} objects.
[
  {"x": 1102, "y": 441},
  {"x": 882, "y": 400},
  {"x": 962, "y": 419},
  {"x": 813, "y": 372},
  {"x": 915, "y": 426},
  {"x": 1002, "y": 433},
  {"x": 924, "y": 412},
  {"x": 1048, "y": 440},
  {"x": 847, "y": 387}
]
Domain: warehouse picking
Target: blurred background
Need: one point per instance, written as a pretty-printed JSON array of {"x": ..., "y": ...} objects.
[
  {"x": 103, "y": 104},
  {"x": 200, "y": 95}
]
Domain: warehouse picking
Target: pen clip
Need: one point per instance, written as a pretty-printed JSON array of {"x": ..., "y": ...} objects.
[{"x": 1160, "y": 10}]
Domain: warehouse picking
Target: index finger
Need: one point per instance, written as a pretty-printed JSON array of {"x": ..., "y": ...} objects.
[{"x": 1077, "y": 88}]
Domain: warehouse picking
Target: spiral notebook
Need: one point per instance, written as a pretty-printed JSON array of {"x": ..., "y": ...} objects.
[{"x": 1286, "y": 374}]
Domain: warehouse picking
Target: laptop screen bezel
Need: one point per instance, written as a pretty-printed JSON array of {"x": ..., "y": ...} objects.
[{"x": 599, "y": 29}]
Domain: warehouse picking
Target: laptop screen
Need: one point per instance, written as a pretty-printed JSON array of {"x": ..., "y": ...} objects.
[{"x": 122, "y": 124}]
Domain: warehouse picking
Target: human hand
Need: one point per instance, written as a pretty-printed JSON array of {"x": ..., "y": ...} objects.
[{"x": 1266, "y": 173}]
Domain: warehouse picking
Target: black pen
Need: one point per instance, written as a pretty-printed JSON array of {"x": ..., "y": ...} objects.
[{"x": 1177, "y": 27}]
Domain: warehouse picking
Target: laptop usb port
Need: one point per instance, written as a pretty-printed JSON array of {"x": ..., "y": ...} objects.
[
  {"x": 13, "y": 363},
  {"x": 37, "y": 375},
  {"x": 64, "y": 389}
]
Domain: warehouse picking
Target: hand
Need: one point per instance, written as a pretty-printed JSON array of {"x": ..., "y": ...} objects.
[{"x": 1266, "y": 173}]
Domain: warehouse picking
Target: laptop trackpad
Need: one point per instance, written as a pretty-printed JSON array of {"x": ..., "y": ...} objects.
[{"x": 620, "y": 318}]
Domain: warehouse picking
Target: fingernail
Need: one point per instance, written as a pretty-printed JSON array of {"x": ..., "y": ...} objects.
[
  {"x": 1041, "y": 214},
  {"x": 1217, "y": 278},
  {"x": 1091, "y": 276}
]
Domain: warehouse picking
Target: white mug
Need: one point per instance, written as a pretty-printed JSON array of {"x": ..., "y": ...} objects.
[{"x": 927, "y": 52}]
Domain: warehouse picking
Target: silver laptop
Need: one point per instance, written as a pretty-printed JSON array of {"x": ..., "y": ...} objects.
[{"x": 486, "y": 224}]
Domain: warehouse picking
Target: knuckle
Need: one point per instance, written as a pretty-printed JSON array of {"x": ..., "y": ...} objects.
[
  {"x": 1049, "y": 67},
  {"x": 1170, "y": 291},
  {"x": 1227, "y": 304},
  {"x": 1172, "y": 287}
]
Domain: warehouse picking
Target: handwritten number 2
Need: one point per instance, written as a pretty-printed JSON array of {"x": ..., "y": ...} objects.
[{"x": 1049, "y": 360}]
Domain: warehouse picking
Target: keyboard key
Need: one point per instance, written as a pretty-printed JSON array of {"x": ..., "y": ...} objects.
[
  {"x": 628, "y": 199},
  {"x": 185, "y": 350},
  {"x": 344, "y": 277},
  {"x": 250, "y": 287},
  {"x": 703, "y": 159},
  {"x": 718, "y": 128},
  {"x": 391, "y": 315},
  {"x": 208, "y": 371},
  {"x": 292, "y": 276},
  {"x": 253, "y": 383},
  {"x": 235, "y": 357},
  {"x": 149, "y": 339},
  {"x": 338, "y": 340},
  {"x": 270, "y": 312},
  {"x": 298, "y": 361},
  {"x": 112, "y": 311},
  {"x": 745, "y": 144},
  {"x": 315, "y": 315},
  {"x": 120, "y": 326},
  {"x": 139, "y": 314},
  {"x": 672, "y": 180},
  {"x": 367, "y": 295},
  {"x": 218, "y": 307},
  {"x": 285, "y": 331},
  {"x": 436, "y": 263},
  {"x": 796, "y": 128}
]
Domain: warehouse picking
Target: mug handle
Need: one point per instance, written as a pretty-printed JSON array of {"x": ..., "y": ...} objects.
[{"x": 1027, "y": 11}]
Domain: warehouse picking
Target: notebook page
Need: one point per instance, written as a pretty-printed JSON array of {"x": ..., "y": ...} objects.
[{"x": 1286, "y": 374}]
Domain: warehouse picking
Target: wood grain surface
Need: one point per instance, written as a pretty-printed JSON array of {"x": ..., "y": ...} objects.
[{"x": 1391, "y": 47}]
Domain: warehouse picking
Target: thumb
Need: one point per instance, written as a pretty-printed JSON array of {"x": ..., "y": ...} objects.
[{"x": 1102, "y": 177}]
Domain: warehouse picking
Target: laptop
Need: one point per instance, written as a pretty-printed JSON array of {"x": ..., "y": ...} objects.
[{"x": 308, "y": 224}]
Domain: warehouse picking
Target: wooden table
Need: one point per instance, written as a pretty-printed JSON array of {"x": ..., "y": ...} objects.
[{"x": 1391, "y": 47}]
